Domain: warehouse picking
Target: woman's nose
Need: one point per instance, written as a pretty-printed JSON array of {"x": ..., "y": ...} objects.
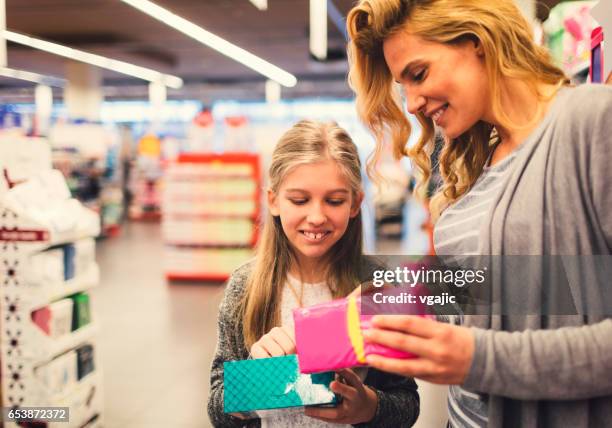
[
  {"x": 316, "y": 215},
  {"x": 414, "y": 101}
]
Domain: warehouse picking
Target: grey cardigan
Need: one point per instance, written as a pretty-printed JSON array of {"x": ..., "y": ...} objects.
[
  {"x": 398, "y": 399},
  {"x": 552, "y": 371}
]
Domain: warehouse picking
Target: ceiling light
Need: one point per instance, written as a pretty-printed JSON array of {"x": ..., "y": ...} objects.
[
  {"x": 318, "y": 28},
  {"x": 215, "y": 42},
  {"x": 32, "y": 77},
  {"x": 97, "y": 60},
  {"x": 260, "y": 4}
]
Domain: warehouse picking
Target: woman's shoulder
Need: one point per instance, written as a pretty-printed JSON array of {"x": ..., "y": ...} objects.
[{"x": 584, "y": 103}]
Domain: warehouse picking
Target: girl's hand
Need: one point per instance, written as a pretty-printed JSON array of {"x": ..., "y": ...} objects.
[
  {"x": 444, "y": 352},
  {"x": 358, "y": 405},
  {"x": 277, "y": 342}
]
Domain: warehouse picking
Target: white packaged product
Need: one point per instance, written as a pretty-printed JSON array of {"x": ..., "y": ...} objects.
[
  {"x": 61, "y": 317},
  {"x": 60, "y": 374}
]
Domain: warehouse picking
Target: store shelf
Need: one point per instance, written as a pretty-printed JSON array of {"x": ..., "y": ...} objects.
[
  {"x": 211, "y": 215},
  {"x": 58, "y": 290}
]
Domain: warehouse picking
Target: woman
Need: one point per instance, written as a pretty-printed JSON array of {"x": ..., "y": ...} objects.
[{"x": 525, "y": 172}]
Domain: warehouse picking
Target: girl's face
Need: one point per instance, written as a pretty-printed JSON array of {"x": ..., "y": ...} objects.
[
  {"x": 447, "y": 83},
  {"x": 314, "y": 203}
]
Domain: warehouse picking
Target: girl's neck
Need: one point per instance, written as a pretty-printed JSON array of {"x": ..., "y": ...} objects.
[{"x": 308, "y": 271}]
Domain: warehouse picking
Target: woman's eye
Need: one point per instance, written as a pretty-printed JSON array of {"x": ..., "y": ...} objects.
[
  {"x": 335, "y": 202},
  {"x": 419, "y": 76},
  {"x": 298, "y": 201}
]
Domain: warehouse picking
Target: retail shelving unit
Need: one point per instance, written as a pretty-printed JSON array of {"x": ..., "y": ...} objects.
[
  {"x": 48, "y": 336},
  {"x": 211, "y": 205}
]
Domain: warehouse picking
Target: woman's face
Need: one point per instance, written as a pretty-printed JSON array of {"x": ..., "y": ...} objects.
[
  {"x": 314, "y": 203},
  {"x": 447, "y": 83}
]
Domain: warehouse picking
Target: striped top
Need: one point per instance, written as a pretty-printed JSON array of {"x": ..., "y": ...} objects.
[{"x": 457, "y": 233}]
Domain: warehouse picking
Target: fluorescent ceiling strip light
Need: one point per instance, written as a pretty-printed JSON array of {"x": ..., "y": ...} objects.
[
  {"x": 97, "y": 60},
  {"x": 32, "y": 77},
  {"x": 318, "y": 28},
  {"x": 260, "y": 4},
  {"x": 215, "y": 42}
]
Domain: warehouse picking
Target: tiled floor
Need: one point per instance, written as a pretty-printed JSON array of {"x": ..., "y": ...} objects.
[{"x": 156, "y": 340}]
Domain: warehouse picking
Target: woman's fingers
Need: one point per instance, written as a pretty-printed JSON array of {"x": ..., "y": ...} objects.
[
  {"x": 351, "y": 378},
  {"x": 409, "y": 368},
  {"x": 330, "y": 415},
  {"x": 348, "y": 392},
  {"x": 415, "y": 325},
  {"x": 403, "y": 342},
  {"x": 257, "y": 351}
]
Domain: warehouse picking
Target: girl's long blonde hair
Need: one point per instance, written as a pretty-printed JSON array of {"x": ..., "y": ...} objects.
[
  {"x": 509, "y": 52},
  {"x": 307, "y": 142}
]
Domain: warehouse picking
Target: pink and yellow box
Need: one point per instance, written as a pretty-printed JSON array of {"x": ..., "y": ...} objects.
[{"x": 329, "y": 337}]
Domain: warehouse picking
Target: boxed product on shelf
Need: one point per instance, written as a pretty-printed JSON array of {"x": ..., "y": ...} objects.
[
  {"x": 273, "y": 383},
  {"x": 46, "y": 267},
  {"x": 214, "y": 262},
  {"x": 211, "y": 206},
  {"x": 211, "y": 231},
  {"x": 85, "y": 360},
  {"x": 81, "y": 314},
  {"x": 55, "y": 320},
  {"x": 59, "y": 374}
]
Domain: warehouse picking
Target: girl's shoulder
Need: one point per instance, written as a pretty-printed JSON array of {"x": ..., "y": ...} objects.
[{"x": 236, "y": 284}]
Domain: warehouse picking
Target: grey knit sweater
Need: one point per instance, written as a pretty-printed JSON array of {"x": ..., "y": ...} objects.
[{"x": 398, "y": 399}]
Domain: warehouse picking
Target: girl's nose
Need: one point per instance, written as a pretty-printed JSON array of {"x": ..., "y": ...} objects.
[{"x": 316, "y": 215}]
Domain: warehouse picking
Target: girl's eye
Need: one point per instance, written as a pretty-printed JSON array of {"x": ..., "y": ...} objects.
[
  {"x": 335, "y": 202},
  {"x": 298, "y": 201}
]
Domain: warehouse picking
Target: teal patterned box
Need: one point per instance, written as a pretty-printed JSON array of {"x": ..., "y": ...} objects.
[{"x": 273, "y": 383}]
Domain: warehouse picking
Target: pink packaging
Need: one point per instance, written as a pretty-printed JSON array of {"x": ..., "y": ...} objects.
[{"x": 329, "y": 337}]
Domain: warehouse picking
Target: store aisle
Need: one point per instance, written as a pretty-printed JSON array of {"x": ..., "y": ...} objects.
[{"x": 156, "y": 340}]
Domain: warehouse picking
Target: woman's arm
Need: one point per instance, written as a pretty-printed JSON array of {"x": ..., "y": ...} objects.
[
  {"x": 228, "y": 349},
  {"x": 568, "y": 363}
]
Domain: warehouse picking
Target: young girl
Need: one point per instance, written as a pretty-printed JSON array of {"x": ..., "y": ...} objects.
[{"x": 310, "y": 252}]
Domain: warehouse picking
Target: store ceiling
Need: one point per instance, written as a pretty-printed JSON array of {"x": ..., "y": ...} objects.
[{"x": 116, "y": 30}]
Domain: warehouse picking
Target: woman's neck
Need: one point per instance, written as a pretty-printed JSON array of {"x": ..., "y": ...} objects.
[{"x": 524, "y": 108}]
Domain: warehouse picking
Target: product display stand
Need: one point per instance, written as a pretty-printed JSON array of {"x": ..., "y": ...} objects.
[
  {"x": 48, "y": 339},
  {"x": 211, "y": 206}
]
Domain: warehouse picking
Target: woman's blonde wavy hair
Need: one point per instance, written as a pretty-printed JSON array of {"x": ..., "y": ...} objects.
[
  {"x": 509, "y": 52},
  {"x": 307, "y": 142}
]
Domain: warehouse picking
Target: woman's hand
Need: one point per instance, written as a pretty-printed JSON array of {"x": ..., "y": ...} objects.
[
  {"x": 358, "y": 405},
  {"x": 444, "y": 351},
  {"x": 277, "y": 342}
]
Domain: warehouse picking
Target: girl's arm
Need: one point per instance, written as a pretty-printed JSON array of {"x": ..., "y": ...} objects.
[
  {"x": 398, "y": 400},
  {"x": 230, "y": 347}
]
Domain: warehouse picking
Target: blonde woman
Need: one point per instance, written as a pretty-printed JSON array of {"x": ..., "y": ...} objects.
[
  {"x": 526, "y": 171},
  {"x": 310, "y": 252}
]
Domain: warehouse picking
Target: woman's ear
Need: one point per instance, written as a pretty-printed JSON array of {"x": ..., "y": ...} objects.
[
  {"x": 273, "y": 203},
  {"x": 356, "y": 206}
]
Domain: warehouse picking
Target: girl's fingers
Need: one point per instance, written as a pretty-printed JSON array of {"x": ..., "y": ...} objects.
[
  {"x": 346, "y": 391},
  {"x": 270, "y": 345},
  {"x": 328, "y": 415},
  {"x": 351, "y": 378},
  {"x": 401, "y": 341},
  {"x": 415, "y": 325},
  {"x": 258, "y": 351},
  {"x": 283, "y": 340}
]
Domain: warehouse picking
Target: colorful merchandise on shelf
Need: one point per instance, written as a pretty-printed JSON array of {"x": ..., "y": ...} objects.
[
  {"x": 568, "y": 30},
  {"x": 85, "y": 360},
  {"x": 81, "y": 314},
  {"x": 59, "y": 374},
  {"x": 211, "y": 209},
  {"x": 47, "y": 255},
  {"x": 55, "y": 320},
  {"x": 329, "y": 336},
  {"x": 273, "y": 383}
]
